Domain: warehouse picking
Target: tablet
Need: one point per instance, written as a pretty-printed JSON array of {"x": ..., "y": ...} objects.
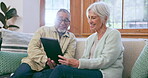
[{"x": 52, "y": 48}]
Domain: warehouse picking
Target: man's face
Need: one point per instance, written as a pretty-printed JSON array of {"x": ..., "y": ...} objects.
[{"x": 62, "y": 21}]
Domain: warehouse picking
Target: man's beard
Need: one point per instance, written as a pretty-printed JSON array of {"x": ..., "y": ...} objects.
[{"x": 61, "y": 30}]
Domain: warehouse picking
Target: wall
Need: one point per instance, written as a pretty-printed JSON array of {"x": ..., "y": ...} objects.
[{"x": 29, "y": 15}]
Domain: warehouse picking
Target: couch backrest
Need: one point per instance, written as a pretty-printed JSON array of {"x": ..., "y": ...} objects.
[
  {"x": 13, "y": 41},
  {"x": 80, "y": 47},
  {"x": 133, "y": 48}
]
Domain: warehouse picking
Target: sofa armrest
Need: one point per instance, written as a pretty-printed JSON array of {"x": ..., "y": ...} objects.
[{"x": 9, "y": 61}]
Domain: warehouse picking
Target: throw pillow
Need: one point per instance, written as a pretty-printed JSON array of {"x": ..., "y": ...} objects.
[
  {"x": 10, "y": 61},
  {"x": 140, "y": 69},
  {"x": 13, "y": 41}
]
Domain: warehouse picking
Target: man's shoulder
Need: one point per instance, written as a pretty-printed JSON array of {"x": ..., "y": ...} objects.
[
  {"x": 47, "y": 28},
  {"x": 71, "y": 34}
]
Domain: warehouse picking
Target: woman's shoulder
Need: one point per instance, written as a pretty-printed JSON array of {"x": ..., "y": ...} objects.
[
  {"x": 112, "y": 31},
  {"x": 91, "y": 36}
]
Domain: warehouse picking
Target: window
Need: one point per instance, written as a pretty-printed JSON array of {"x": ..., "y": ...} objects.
[
  {"x": 51, "y": 8},
  {"x": 127, "y": 14},
  {"x": 129, "y": 17}
]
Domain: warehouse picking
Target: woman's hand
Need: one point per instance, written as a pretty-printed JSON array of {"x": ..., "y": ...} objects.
[
  {"x": 70, "y": 62},
  {"x": 51, "y": 63}
]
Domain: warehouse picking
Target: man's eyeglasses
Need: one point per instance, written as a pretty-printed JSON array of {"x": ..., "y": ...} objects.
[{"x": 64, "y": 20}]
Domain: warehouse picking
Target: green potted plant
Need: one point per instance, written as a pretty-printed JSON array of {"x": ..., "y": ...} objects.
[{"x": 6, "y": 14}]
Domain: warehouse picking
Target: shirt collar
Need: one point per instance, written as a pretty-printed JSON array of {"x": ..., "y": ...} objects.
[{"x": 65, "y": 35}]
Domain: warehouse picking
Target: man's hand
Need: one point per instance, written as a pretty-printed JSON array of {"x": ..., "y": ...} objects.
[
  {"x": 70, "y": 62},
  {"x": 51, "y": 63}
]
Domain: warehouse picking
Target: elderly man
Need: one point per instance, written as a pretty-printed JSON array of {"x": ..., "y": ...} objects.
[{"x": 36, "y": 64}]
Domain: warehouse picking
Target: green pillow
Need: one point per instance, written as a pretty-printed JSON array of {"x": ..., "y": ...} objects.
[
  {"x": 9, "y": 61},
  {"x": 140, "y": 68}
]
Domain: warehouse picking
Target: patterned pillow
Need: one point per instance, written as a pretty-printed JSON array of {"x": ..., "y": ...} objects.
[
  {"x": 140, "y": 69},
  {"x": 13, "y": 41},
  {"x": 9, "y": 61}
]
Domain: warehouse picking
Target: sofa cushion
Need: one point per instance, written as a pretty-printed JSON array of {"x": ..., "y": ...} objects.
[
  {"x": 80, "y": 47},
  {"x": 13, "y": 41},
  {"x": 140, "y": 69},
  {"x": 9, "y": 61},
  {"x": 133, "y": 48}
]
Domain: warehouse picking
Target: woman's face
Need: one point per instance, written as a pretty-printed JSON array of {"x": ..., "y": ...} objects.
[
  {"x": 94, "y": 21},
  {"x": 62, "y": 22}
]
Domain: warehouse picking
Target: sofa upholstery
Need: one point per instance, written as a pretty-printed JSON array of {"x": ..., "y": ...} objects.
[
  {"x": 133, "y": 48},
  {"x": 140, "y": 69},
  {"x": 9, "y": 61}
]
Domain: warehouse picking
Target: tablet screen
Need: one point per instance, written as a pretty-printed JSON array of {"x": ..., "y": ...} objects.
[{"x": 52, "y": 48}]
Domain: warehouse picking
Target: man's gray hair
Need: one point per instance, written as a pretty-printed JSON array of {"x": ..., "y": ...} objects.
[
  {"x": 65, "y": 11},
  {"x": 100, "y": 8}
]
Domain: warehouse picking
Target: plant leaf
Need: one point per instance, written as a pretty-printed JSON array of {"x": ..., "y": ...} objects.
[
  {"x": 2, "y": 19},
  {"x": 8, "y": 7},
  {"x": 3, "y": 7},
  {"x": 11, "y": 13},
  {"x": 14, "y": 26}
]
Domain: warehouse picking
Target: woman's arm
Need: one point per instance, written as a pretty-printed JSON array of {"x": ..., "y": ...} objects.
[{"x": 70, "y": 62}]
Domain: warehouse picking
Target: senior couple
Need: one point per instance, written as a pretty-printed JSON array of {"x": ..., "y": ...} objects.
[{"x": 102, "y": 56}]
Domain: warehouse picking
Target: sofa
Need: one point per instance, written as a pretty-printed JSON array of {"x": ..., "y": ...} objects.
[{"x": 133, "y": 48}]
